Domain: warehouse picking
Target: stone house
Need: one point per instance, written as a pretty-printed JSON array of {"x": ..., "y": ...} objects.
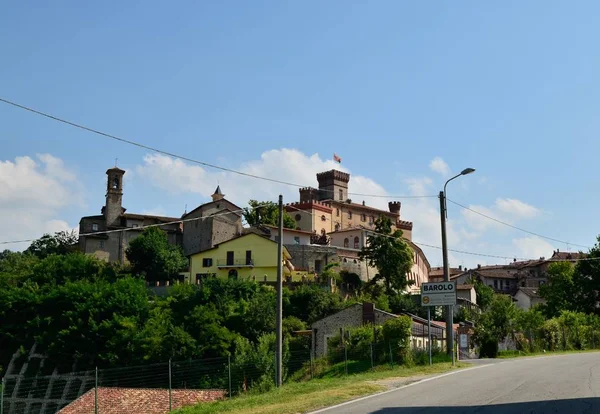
[
  {"x": 108, "y": 234},
  {"x": 360, "y": 314},
  {"x": 210, "y": 224}
]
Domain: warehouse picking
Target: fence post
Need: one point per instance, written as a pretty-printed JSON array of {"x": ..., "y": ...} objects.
[
  {"x": 391, "y": 356},
  {"x": 2, "y": 396},
  {"x": 345, "y": 359},
  {"x": 170, "y": 388},
  {"x": 372, "y": 364},
  {"x": 312, "y": 373},
  {"x": 229, "y": 372},
  {"x": 96, "y": 393}
]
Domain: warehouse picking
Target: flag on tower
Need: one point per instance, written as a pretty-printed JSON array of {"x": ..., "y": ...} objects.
[{"x": 336, "y": 158}]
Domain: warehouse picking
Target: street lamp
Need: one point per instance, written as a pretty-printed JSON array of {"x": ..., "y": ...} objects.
[{"x": 449, "y": 310}]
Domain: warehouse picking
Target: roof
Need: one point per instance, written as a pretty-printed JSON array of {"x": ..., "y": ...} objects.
[
  {"x": 439, "y": 271},
  {"x": 558, "y": 255},
  {"x": 238, "y": 209},
  {"x": 290, "y": 230},
  {"x": 139, "y": 400},
  {"x": 465, "y": 287},
  {"x": 218, "y": 190},
  {"x": 147, "y": 216},
  {"x": 531, "y": 292},
  {"x": 420, "y": 251},
  {"x": 98, "y": 217},
  {"x": 115, "y": 168},
  {"x": 252, "y": 231},
  {"x": 348, "y": 229}
]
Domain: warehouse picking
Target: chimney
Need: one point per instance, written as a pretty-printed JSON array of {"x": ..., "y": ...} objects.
[
  {"x": 368, "y": 313},
  {"x": 478, "y": 266},
  {"x": 460, "y": 267},
  {"x": 363, "y": 202}
]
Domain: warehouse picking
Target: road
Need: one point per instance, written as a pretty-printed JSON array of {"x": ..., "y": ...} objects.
[{"x": 554, "y": 384}]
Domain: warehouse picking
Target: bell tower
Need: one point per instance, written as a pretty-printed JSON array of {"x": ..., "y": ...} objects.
[{"x": 114, "y": 196}]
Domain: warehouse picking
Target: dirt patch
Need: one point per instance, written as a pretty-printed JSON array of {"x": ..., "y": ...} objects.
[{"x": 391, "y": 383}]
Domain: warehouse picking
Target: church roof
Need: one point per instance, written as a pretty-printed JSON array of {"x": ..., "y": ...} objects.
[{"x": 218, "y": 190}]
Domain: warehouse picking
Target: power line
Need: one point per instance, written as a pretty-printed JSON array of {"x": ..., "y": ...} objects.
[
  {"x": 170, "y": 154},
  {"x": 517, "y": 228},
  {"x": 96, "y": 233}
]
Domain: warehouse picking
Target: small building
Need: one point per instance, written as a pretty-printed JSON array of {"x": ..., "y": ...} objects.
[
  {"x": 527, "y": 298},
  {"x": 114, "y": 400},
  {"x": 360, "y": 314},
  {"x": 249, "y": 256},
  {"x": 107, "y": 236},
  {"x": 436, "y": 274},
  {"x": 211, "y": 223},
  {"x": 466, "y": 292}
]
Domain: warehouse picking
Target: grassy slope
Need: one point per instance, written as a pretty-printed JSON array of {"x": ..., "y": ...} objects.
[{"x": 310, "y": 395}]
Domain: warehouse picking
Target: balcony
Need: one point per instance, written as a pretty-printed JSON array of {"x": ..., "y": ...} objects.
[{"x": 223, "y": 263}]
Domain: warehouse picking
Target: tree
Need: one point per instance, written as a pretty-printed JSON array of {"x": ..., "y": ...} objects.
[
  {"x": 495, "y": 324},
  {"x": 15, "y": 267},
  {"x": 484, "y": 294},
  {"x": 310, "y": 303},
  {"x": 266, "y": 212},
  {"x": 62, "y": 242},
  {"x": 586, "y": 280},
  {"x": 390, "y": 254},
  {"x": 559, "y": 292},
  {"x": 152, "y": 256}
]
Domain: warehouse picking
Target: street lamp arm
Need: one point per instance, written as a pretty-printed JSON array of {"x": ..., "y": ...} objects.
[{"x": 456, "y": 176}]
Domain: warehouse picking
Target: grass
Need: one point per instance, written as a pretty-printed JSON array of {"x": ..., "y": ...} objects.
[{"x": 299, "y": 397}]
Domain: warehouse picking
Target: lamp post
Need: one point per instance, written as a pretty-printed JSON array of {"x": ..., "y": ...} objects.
[{"x": 449, "y": 310}]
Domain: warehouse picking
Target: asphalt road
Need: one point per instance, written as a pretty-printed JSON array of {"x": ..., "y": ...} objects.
[{"x": 556, "y": 384}]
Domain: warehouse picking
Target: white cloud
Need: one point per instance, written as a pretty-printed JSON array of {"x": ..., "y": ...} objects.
[
  {"x": 178, "y": 177},
  {"x": 439, "y": 166},
  {"x": 516, "y": 208},
  {"x": 32, "y": 192},
  {"x": 418, "y": 186},
  {"x": 533, "y": 247}
]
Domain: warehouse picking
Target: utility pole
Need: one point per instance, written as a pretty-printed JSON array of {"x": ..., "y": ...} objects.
[
  {"x": 278, "y": 327},
  {"x": 449, "y": 312}
]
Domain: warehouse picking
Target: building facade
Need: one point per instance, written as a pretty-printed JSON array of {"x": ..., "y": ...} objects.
[
  {"x": 107, "y": 235},
  {"x": 210, "y": 224}
]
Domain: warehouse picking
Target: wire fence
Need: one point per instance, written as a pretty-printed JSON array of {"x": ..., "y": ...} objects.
[{"x": 163, "y": 387}]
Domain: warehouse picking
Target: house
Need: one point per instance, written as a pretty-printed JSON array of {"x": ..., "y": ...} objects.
[
  {"x": 211, "y": 223},
  {"x": 501, "y": 278},
  {"x": 363, "y": 313},
  {"x": 249, "y": 256},
  {"x": 527, "y": 298},
  {"x": 139, "y": 400},
  {"x": 436, "y": 274},
  {"x": 108, "y": 234}
]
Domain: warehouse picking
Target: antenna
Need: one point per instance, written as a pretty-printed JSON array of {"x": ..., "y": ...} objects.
[{"x": 116, "y": 160}]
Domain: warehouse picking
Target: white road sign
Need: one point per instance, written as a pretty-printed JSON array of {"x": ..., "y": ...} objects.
[{"x": 438, "y": 294}]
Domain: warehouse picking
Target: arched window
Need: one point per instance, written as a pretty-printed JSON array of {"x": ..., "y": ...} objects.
[
  {"x": 233, "y": 274},
  {"x": 356, "y": 242},
  {"x": 323, "y": 218},
  {"x": 346, "y": 242},
  {"x": 298, "y": 217}
]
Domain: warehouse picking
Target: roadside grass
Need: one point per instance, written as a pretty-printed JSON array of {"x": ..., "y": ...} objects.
[
  {"x": 332, "y": 388},
  {"x": 521, "y": 354}
]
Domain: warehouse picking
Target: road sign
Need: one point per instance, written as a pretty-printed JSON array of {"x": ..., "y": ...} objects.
[
  {"x": 464, "y": 341},
  {"x": 438, "y": 294}
]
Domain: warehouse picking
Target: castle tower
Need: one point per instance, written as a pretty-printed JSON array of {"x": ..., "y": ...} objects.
[
  {"x": 333, "y": 185},
  {"x": 218, "y": 195},
  {"x": 394, "y": 207},
  {"x": 114, "y": 196}
]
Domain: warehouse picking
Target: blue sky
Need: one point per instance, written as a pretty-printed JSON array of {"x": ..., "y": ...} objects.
[{"x": 509, "y": 88}]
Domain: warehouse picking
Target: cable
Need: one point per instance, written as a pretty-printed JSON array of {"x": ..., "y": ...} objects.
[
  {"x": 517, "y": 228},
  {"x": 170, "y": 154},
  {"x": 135, "y": 228}
]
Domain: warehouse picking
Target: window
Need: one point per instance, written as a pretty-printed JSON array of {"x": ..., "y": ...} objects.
[
  {"x": 337, "y": 212},
  {"x": 229, "y": 258},
  {"x": 341, "y": 194},
  {"x": 317, "y": 266},
  {"x": 371, "y": 219},
  {"x": 346, "y": 242},
  {"x": 101, "y": 244},
  {"x": 495, "y": 284},
  {"x": 248, "y": 257},
  {"x": 337, "y": 226},
  {"x": 95, "y": 227},
  {"x": 298, "y": 217},
  {"x": 296, "y": 240},
  {"x": 323, "y": 218},
  {"x": 349, "y": 214},
  {"x": 207, "y": 262},
  {"x": 356, "y": 242},
  {"x": 363, "y": 217}
]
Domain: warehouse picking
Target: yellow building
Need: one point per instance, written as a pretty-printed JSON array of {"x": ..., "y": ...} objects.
[{"x": 247, "y": 257}]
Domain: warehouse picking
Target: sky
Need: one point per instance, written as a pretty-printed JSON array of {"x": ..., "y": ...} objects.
[{"x": 406, "y": 93}]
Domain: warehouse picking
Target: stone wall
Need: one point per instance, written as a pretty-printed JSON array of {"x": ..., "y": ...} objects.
[
  {"x": 304, "y": 256},
  {"x": 325, "y": 328}
]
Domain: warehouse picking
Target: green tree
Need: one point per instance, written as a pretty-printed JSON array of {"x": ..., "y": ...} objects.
[
  {"x": 310, "y": 303},
  {"x": 390, "y": 254},
  {"x": 15, "y": 267},
  {"x": 266, "y": 212},
  {"x": 560, "y": 290},
  {"x": 63, "y": 242},
  {"x": 484, "y": 295},
  {"x": 151, "y": 255},
  {"x": 495, "y": 324},
  {"x": 586, "y": 279}
]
